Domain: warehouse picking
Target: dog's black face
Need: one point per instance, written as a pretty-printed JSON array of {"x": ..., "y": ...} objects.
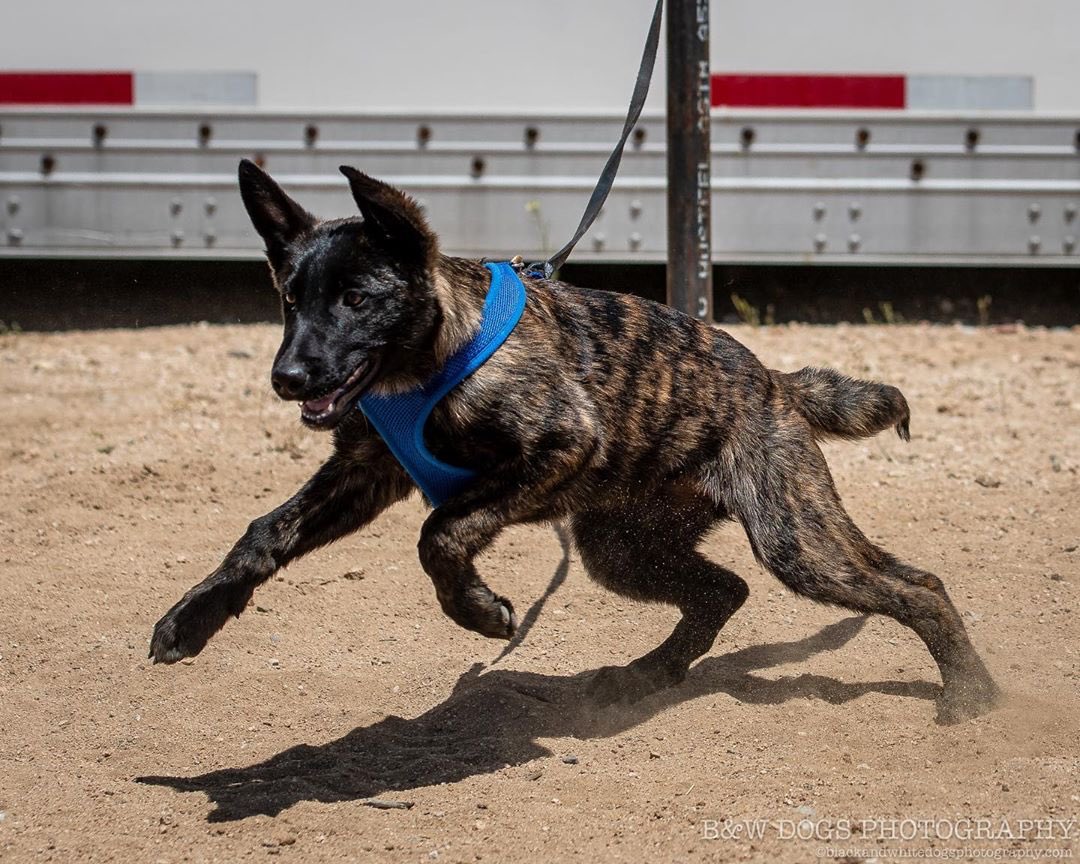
[{"x": 357, "y": 296}]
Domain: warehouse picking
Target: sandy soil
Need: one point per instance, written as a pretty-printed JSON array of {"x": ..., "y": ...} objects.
[{"x": 132, "y": 460}]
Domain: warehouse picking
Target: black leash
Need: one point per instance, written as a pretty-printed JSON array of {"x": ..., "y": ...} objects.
[{"x": 544, "y": 269}]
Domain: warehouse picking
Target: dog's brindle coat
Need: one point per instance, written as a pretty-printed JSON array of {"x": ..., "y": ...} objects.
[{"x": 641, "y": 425}]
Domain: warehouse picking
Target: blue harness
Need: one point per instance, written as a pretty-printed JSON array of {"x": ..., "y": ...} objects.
[{"x": 400, "y": 418}]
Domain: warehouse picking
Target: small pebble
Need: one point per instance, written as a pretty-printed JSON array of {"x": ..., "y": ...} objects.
[
  {"x": 386, "y": 804},
  {"x": 570, "y": 760}
]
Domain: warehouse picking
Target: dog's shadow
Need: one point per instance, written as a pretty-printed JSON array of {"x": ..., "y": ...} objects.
[{"x": 493, "y": 719}]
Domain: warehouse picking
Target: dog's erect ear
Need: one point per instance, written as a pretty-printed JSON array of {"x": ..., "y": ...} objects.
[
  {"x": 277, "y": 218},
  {"x": 390, "y": 212}
]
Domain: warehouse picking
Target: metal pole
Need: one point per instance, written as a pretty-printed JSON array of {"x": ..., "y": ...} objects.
[{"x": 689, "y": 235}]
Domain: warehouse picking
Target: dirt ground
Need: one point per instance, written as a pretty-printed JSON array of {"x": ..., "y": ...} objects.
[{"x": 131, "y": 460}]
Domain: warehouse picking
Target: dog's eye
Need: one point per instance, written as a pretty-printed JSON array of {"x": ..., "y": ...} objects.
[
  {"x": 352, "y": 297},
  {"x": 290, "y": 299}
]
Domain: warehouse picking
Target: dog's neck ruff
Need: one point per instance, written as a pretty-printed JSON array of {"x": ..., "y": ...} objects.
[{"x": 400, "y": 418}]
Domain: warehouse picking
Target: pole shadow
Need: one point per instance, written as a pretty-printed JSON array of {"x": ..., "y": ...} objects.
[{"x": 493, "y": 719}]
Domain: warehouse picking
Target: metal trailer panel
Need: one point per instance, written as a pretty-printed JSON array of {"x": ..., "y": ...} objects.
[
  {"x": 503, "y": 159},
  {"x": 807, "y": 186},
  {"x": 569, "y": 125},
  {"x": 753, "y": 218}
]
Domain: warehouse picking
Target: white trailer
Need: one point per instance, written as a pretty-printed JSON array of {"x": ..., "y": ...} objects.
[{"x": 844, "y": 130}]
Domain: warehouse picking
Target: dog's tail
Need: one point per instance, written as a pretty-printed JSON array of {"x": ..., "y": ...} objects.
[{"x": 842, "y": 407}]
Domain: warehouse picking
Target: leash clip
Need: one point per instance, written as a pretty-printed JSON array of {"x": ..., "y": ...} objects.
[{"x": 538, "y": 270}]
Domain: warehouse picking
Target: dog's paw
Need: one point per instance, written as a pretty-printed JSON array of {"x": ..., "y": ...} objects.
[
  {"x": 166, "y": 643},
  {"x": 496, "y": 618},
  {"x": 186, "y": 628},
  {"x": 484, "y": 612},
  {"x": 966, "y": 698}
]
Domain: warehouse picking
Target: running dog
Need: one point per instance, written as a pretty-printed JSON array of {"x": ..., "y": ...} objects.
[{"x": 640, "y": 426}]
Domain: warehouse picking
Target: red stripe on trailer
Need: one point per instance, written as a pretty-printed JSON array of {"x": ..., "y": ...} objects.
[
  {"x": 809, "y": 91},
  {"x": 67, "y": 88}
]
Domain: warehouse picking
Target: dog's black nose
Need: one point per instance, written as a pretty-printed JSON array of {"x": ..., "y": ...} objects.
[{"x": 289, "y": 382}]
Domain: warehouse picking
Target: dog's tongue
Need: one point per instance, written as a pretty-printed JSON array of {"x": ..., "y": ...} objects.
[{"x": 317, "y": 406}]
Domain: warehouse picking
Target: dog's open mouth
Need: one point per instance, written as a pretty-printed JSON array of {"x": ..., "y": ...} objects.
[{"x": 326, "y": 411}]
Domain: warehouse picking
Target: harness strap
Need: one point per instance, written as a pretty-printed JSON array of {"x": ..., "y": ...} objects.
[
  {"x": 544, "y": 269},
  {"x": 400, "y": 417}
]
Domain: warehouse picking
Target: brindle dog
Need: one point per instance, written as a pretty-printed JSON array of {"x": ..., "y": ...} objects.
[{"x": 640, "y": 425}]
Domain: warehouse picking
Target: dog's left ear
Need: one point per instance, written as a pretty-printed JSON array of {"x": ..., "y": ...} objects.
[{"x": 391, "y": 213}]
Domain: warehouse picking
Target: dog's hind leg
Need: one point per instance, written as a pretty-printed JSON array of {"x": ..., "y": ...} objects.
[
  {"x": 648, "y": 552},
  {"x": 785, "y": 498}
]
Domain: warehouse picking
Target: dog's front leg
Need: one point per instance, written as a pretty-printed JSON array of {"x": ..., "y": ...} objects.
[
  {"x": 526, "y": 490},
  {"x": 341, "y": 497}
]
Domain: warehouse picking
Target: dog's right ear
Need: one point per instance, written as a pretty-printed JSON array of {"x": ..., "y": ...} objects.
[
  {"x": 277, "y": 218},
  {"x": 390, "y": 213}
]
